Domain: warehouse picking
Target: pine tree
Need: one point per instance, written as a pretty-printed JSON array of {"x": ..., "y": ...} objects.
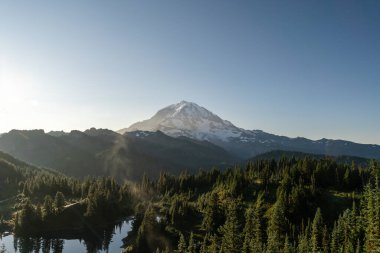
[
  {"x": 287, "y": 245},
  {"x": 191, "y": 248},
  {"x": 203, "y": 248},
  {"x": 334, "y": 243},
  {"x": 182, "y": 246},
  {"x": 210, "y": 218},
  {"x": 59, "y": 201},
  {"x": 277, "y": 226},
  {"x": 353, "y": 225},
  {"x": 372, "y": 231},
  {"x": 253, "y": 234},
  {"x": 27, "y": 217},
  {"x": 303, "y": 243},
  {"x": 213, "y": 247},
  {"x": 248, "y": 230},
  {"x": 231, "y": 234},
  {"x": 325, "y": 240},
  {"x": 316, "y": 232},
  {"x": 147, "y": 228},
  {"x": 375, "y": 170},
  {"x": 47, "y": 208},
  {"x": 257, "y": 225}
]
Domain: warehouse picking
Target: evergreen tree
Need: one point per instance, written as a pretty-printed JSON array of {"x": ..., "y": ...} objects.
[
  {"x": 253, "y": 234},
  {"x": 47, "y": 209},
  {"x": 203, "y": 248},
  {"x": 372, "y": 231},
  {"x": 147, "y": 229},
  {"x": 277, "y": 226},
  {"x": 192, "y": 247},
  {"x": 182, "y": 246},
  {"x": 27, "y": 217},
  {"x": 325, "y": 240},
  {"x": 231, "y": 234},
  {"x": 213, "y": 247},
  {"x": 317, "y": 232},
  {"x": 287, "y": 245},
  {"x": 248, "y": 230},
  {"x": 59, "y": 201},
  {"x": 210, "y": 218},
  {"x": 334, "y": 242},
  {"x": 303, "y": 242}
]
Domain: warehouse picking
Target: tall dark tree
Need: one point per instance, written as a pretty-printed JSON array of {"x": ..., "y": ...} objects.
[
  {"x": 317, "y": 232},
  {"x": 182, "y": 245},
  {"x": 47, "y": 209},
  {"x": 231, "y": 234},
  {"x": 192, "y": 246},
  {"x": 277, "y": 225},
  {"x": 59, "y": 201}
]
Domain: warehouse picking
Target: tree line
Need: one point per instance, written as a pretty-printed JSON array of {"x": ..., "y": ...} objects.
[{"x": 286, "y": 205}]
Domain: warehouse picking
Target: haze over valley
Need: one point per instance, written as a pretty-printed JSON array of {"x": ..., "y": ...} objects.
[{"x": 178, "y": 137}]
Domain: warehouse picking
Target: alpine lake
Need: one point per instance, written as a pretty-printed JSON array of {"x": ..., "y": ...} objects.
[{"x": 93, "y": 240}]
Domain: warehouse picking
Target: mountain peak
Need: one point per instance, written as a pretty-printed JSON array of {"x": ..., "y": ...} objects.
[
  {"x": 187, "y": 119},
  {"x": 184, "y": 102},
  {"x": 188, "y": 110}
]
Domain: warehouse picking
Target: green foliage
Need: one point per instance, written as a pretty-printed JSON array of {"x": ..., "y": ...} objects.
[
  {"x": 253, "y": 239},
  {"x": 371, "y": 218},
  {"x": 271, "y": 206},
  {"x": 277, "y": 225},
  {"x": 182, "y": 246},
  {"x": 211, "y": 214},
  {"x": 59, "y": 201},
  {"x": 48, "y": 208},
  {"x": 192, "y": 246},
  {"x": 317, "y": 232},
  {"x": 231, "y": 240},
  {"x": 101, "y": 201}
]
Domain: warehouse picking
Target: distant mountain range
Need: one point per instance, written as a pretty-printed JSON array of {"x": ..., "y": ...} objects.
[
  {"x": 195, "y": 122},
  {"x": 278, "y": 154},
  {"x": 178, "y": 137},
  {"x": 96, "y": 152}
]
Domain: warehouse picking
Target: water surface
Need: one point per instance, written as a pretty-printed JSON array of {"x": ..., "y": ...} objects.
[{"x": 95, "y": 240}]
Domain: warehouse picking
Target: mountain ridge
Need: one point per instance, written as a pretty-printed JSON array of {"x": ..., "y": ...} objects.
[
  {"x": 278, "y": 154},
  {"x": 196, "y": 122},
  {"x": 98, "y": 152}
]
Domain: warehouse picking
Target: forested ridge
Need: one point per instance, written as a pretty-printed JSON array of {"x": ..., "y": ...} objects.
[
  {"x": 306, "y": 204},
  {"x": 39, "y": 201},
  {"x": 288, "y": 205}
]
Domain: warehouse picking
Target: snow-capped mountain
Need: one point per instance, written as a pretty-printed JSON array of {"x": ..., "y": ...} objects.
[
  {"x": 190, "y": 120},
  {"x": 193, "y": 121}
]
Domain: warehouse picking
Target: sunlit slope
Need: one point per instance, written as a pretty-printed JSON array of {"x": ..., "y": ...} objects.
[{"x": 103, "y": 152}]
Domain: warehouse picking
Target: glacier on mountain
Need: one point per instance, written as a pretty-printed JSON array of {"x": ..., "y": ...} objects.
[{"x": 190, "y": 120}]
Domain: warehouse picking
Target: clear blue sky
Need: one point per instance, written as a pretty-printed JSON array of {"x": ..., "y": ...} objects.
[{"x": 295, "y": 68}]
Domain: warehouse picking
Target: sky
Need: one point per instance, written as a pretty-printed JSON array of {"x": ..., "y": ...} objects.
[{"x": 294, "y": 68}]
